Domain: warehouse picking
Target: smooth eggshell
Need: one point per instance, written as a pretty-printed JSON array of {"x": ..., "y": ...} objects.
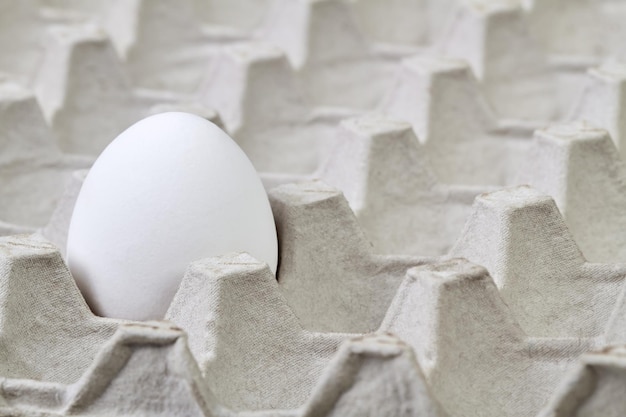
[{"x": 171, "y": 189}]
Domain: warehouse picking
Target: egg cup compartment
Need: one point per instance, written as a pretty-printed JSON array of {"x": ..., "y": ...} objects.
[
  {"x": 81, "y": 78},
  {"x": 386, "y": 175},
  {"x": 33, "y": 170},
  {"x": 268, "y": 114}
]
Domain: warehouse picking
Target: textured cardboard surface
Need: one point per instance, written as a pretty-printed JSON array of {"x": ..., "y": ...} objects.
[
  {"x": 439, "y": 309},
  {"x": 410, "y": 283},
  {"x": 87, "y": 363}
]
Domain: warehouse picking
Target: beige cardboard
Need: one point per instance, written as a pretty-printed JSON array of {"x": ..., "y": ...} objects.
[{"x": 374, "y": 312}]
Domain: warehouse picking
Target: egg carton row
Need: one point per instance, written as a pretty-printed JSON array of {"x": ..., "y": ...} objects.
[
  {"x": 491, "y": 215},
  {"x": 571, "y": 32},
  {"x": 157, "y": 39},
  {"x": 257, "y": 88},
  {"x": 403, "y": 209},
  {"x": 420, "y": 22},
  {"x": 476, "y": 150},
  {"x": 508, "y": 342},
  {"x": 391, "y": 185},
  {"x": 325, "y": 61}
]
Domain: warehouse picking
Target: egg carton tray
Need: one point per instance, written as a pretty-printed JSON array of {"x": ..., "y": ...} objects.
[{"x": 392, "y": 136}]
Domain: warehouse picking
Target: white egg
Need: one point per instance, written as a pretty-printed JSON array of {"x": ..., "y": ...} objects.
[{"x": 171, "y": 189}]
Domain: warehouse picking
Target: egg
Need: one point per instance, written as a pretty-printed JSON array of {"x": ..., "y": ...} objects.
[{"x": 171, "y": 189}]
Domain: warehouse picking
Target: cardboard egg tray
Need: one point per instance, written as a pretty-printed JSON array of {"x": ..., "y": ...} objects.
[{"x": 446, "y": 177}]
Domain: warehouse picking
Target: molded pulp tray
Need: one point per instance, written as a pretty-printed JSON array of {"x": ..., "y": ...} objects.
[{"x": 446, "y": 177}]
